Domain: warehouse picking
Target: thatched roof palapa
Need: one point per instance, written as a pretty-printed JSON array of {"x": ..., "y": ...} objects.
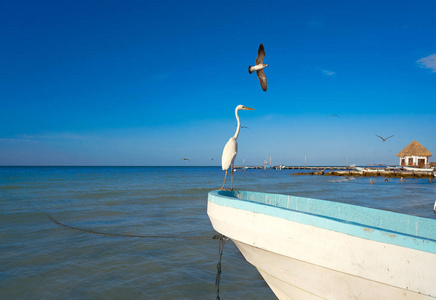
[{"x": 415, "y": 149}]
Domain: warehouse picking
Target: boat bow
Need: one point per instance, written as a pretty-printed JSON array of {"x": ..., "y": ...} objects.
[{"x": 317, "y": 249}]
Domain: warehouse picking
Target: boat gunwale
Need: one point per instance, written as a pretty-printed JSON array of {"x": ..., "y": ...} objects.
[{"x": 425, "y": 242}]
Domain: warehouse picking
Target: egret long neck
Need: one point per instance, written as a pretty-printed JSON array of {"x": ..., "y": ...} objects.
[{"x": 238, "y": 127}]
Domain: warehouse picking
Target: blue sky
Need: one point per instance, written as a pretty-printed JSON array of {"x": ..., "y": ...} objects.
[{"x": 151, "y": 82}]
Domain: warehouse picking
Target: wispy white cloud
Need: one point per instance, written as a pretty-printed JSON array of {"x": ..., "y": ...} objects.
[
  {"x": 315, "y": 23},
  {"x": 162, "y": 76},
  {"x": 428, "y": 62},
  {"x": 328, "y": 72},
  {"x": 51, "y": 136}
]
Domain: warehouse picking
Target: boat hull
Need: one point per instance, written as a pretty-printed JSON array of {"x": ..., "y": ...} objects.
[
  {"x": 290, "y": 278},
  {"x": 362, "y": 169},
  {"x": 302, "y": 261},
  {"x": 418, "y": 169}
]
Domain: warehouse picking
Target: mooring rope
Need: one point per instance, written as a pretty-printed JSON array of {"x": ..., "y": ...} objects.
[
  {"x": 126, "y": 235},
  {"x": 222, "y": 240}
]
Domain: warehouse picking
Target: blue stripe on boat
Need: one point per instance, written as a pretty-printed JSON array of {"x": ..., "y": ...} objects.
[{"x": 368, "y": 223}]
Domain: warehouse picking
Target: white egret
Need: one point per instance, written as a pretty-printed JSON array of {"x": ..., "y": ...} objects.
[{"x": 231, "y": 148}]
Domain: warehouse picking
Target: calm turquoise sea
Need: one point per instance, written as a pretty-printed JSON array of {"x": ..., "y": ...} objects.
[{"x": 41, "y": 259}]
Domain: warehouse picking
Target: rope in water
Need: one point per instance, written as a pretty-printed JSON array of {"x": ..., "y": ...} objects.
[
  {"x": 126, "y": 235},
  {"x": 222, "y": 240}
]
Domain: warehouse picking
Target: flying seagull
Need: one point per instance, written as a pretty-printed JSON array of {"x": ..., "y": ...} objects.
[
  {"x": 335, "y": 115},
  {"x": 185, "y": 158},
  {"x": 259, "y": 67},
  {"x": 384, "y": 140}
]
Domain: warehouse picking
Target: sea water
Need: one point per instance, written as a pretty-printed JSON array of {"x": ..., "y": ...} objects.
[{"x": 159, "y": 243}]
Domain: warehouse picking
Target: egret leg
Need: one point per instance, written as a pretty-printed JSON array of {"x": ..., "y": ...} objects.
[
  {"x": 222, "y": 188},
  {"x": 231, "y": 181}
]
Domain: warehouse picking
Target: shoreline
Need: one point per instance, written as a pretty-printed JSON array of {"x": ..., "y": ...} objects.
[{"x": 390, "y": 174}]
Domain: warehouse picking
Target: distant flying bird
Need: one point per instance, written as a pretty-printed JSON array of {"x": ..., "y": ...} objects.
[
  {"x": 259, "y": 67},
  {"x": 231, "y": 148},
  {"x": 371, "y": 181},
  {"x": 384, "y": 140},
  {"x": 185, "y": 158},
  {"x": 335, "y": 115}
]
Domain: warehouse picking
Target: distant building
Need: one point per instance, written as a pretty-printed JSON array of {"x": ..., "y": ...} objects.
[{"x": 414, "y": 154}]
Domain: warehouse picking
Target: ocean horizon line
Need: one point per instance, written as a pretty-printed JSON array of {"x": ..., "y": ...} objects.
[{"x": 181, "y": 166}]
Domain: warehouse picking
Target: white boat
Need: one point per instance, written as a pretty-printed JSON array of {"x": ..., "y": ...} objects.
[
  {"x": 363, "y": 169},
  {"x": 394, "y": 168},
  {"x": 314, "y": 249},
  {"x": 280, "y": 167},
  {"x": 416, "y": 169}
]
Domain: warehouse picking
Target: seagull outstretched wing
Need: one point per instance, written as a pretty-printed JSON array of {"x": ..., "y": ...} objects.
[
  {"x": 262, "y": 79},
  {"x": 260, "y": 55}
]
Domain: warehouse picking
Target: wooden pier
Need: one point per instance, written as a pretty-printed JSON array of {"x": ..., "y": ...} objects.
[
  {"x": 387, "y": 174},
  {"x": 345, "y": 171},
  {"x": 292, "y": 167}
]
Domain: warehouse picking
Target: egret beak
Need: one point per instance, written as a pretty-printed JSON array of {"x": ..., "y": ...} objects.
[{"x": 248, "y": 108}]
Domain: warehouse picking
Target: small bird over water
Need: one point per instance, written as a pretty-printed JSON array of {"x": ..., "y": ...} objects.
[
  {"x": 259, "y": 67},
  {"x": 384, "y": 140}
]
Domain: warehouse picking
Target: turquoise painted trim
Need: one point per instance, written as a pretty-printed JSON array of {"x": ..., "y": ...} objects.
[{"x": 367, "y": 223}]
